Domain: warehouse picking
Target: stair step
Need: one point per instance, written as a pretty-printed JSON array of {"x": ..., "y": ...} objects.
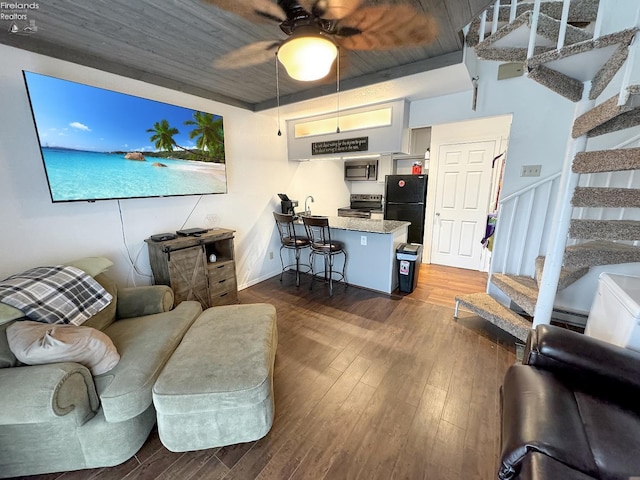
[
  {"x": 485, "y": 306},
  {"x": 581, "y": 11},
  {"x": 598, "y": 161},
  {"x": 620, "y": 122},
  {"x": 606, "y": 118},
  {"x": 601, "y": 197},
  {"x": 568, "y": 275},
  {"x": 596, "y": 60},
  {"x": 509, "y": 43},
  {"x": 605, "y": 229},
  {"x": 506, "y": 54},
  {"x": 560, "y": 83},
  {"x": 600, "y": 253},
  {"x": 522, "y": 290}
]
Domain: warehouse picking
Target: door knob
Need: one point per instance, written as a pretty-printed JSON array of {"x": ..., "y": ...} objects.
[{"x": 437, "y": 214}]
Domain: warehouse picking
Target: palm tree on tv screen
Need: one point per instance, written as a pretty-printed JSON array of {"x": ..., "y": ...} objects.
[
  {"x": 163, "y": 135},
  {"x": 209, "y": 134}
]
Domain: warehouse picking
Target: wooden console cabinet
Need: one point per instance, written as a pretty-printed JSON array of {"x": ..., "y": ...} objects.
[{"x": 183, "y": 264}]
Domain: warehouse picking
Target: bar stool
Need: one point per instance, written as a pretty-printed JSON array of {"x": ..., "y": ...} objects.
[
  {"x": 319, "y": 234},
  {"x": 290, "y": 240}
]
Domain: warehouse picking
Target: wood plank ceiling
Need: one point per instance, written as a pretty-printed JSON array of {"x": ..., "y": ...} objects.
[{"x": 173, "y": 43}]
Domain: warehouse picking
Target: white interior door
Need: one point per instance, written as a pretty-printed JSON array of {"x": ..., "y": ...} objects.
[{"x": 463, "y": 186}]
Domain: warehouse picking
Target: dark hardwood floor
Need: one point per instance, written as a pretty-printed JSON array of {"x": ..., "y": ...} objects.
[{"x": 367, "y": 386}]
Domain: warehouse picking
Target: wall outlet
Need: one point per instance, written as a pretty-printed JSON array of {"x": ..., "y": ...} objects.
[
  {"x": 270, "y": 255},
  {"x": 211, "y": 220},
  {"x": 530, "y": 170},
  {"x": 363, "y": 240}
]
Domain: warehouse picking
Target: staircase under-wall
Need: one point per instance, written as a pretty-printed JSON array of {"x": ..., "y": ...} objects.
[{"x": 579, "y": 67}]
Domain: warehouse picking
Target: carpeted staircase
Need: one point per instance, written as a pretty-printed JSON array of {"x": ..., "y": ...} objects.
[{"x": 565, "y": 71}]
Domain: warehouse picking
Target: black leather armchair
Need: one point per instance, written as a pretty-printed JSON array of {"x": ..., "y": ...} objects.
[{"x": 572, "y": 410}]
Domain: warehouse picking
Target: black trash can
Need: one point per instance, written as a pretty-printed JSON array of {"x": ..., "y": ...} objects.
[{"x": 409, "y": 258}]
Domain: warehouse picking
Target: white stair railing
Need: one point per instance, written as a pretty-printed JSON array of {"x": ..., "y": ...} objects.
[
  {"x": 564, "y": 21},
  {"x": 563, "y": 24},
  {"x": 534, "y": 28},
  {"x": 514, "y": 212},
  {"x": 496, "y": 14},
  {"x": 513, "y": 10}
]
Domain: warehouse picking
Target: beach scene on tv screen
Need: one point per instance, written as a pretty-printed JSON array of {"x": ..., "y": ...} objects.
[{"x": 100, "y": 144}]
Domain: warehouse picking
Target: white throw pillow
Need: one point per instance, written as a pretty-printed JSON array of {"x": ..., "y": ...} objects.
[{"x": 35, "y": 343}]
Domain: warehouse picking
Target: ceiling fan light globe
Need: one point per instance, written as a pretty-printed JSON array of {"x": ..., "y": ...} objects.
[{"x": 307, "y": 58}]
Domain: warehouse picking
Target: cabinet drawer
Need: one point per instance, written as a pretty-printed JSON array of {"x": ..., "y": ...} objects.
[
  {"x": 221, "y": 286},
  {"x": 221, "y": 271},
  {"x": 225, "y": 298}
]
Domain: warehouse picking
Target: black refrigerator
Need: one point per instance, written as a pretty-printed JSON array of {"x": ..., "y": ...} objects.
[{"x": 405, "y": 199}]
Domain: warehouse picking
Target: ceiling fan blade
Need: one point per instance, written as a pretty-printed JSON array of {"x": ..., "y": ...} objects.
[
  {"x": 256, "y": 11},
  {"x": 330, "y": 9},
  {"x": 385, "y": 27},
  {"x": 248, "y": 56}
]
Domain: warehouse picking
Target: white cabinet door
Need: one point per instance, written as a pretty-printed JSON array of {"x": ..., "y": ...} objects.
[{"x": 462, "y": 194}]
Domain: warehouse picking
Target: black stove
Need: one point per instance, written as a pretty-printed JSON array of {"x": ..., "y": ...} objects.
[{"x": 362, "y": 205}]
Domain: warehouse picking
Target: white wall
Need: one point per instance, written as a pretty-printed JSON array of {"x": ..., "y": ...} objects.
[
  {"x": 541, "y": 120},
  {"x": 37, "y": 232},
  {"x": 323, "y": 180}
]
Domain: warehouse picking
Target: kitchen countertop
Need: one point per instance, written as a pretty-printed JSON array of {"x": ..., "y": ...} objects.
[{"x": 366, "y": 225}]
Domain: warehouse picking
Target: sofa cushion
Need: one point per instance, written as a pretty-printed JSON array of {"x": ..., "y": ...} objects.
[
  {"x": 8, "y": 313},
  {"x": 35, "y": 343},
  {"x": 92, "y": 265},
  {"x": 218, "y": 374},
  {"x": 107, "y": 315},
  {"x": 145, "y": 344},
  {"x": 537, "y": 466},
  {"x": 613, "y": 430},
  {"x": 55, "y": 294},
  {"x": 540, "y": 413},
  {"x": 217, "y": 388},
  {"x": 7, "y": 358}
]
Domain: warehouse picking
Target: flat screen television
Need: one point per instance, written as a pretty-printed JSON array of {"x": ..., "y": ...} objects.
[{"x": 99, "y": 144}]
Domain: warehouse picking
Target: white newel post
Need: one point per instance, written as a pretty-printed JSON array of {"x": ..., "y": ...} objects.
[{"x": 560, "y": 226}]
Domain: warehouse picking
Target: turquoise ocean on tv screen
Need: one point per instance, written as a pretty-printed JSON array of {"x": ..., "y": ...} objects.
[{"x": 80, "y": 175}]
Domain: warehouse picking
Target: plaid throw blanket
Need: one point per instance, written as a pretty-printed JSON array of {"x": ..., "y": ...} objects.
[{"x": 58, "y": 294}]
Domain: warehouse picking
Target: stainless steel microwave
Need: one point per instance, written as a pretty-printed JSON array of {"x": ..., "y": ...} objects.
[{"x": 361, "y": 169}]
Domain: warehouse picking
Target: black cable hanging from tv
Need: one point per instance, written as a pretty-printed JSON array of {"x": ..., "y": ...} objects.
[
  {"x": 278, "y": 93},
  {"x": 338, "y": 92}
]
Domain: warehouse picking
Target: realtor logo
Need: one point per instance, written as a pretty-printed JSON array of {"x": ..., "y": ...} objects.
[
  {"x": 31, "y": 28},
  {"x": 20, "y": 17},
  {"x": 26, "y": 30}
]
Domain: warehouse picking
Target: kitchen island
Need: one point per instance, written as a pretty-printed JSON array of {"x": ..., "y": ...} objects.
[{"x": 371, "y": 250}]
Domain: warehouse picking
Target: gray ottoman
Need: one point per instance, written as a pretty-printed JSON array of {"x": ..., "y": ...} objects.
[{"x": 217, "y": 387}]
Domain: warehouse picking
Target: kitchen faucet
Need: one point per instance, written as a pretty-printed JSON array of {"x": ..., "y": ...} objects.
[{"x": 307, "y": 210}]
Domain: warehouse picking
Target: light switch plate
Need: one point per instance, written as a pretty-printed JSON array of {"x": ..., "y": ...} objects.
[{"x": 530, "y": 170}]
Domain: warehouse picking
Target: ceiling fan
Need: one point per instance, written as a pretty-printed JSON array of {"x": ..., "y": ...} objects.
[{"x": 316, "y": 28}]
